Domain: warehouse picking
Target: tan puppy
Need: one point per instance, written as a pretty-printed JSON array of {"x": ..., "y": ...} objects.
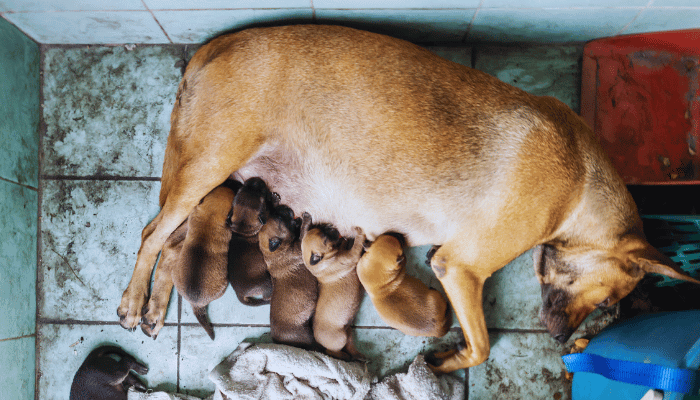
[
  {"x": 403, "y": 302},
  {"x": 294, "y": 288},
  {"x": 247, "y": 270},
  {"x": 340, "y": 292},
  {"x": 364, "y": 130}
]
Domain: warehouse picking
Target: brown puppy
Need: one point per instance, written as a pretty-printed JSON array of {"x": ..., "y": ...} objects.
[
  {"x": 106, "y": 374},
  {"x": 366, "y": 130},
  {"x": 403, "y": 302},
  {"x": 247, "y": 270},
  {"x": 294, "y": 288},
  {"x": 340, "y": 292}
]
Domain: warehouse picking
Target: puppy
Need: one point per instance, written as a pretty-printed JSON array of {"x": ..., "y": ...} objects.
[
  {"x": 294, "y": 288},
  {"x": 247, "y": 270},
  {"x": 106, "y": 374},
  {"x": 403, "y": 302},
  {"x": 340, "y": 291}
]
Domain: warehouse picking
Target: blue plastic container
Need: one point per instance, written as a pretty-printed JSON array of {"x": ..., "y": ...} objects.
[{"x": 667, "y": 339}]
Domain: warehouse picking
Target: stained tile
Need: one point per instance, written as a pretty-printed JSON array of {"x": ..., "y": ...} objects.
[
  {"x": 18, "y": 230},
  {"x": 63, "y": 348},
  {"x": 91, "y": 232},
  {"x": 559, "y": 25},
  {"x": 460, "y": 55},
  {"x": 107, "y": 109},
  {"x": 224, "y": 4},
  {"x": 69, "y": 5},
  {"x": 17, "y": 377},
  {"x": 540, "y": 70},
  {"x": 228, "y": 310},
  {"x": 19, "y": 106},
  {"x": 654, "y": 19},
  {"x": 199, "y": 354},
  {"x": 521, "y": 366},
  {"x": 89, "y": 27},
  {"x": 196, "y": 26},
  {"x": 396, "y": 4},
  {"x": 414, "y": 25}
]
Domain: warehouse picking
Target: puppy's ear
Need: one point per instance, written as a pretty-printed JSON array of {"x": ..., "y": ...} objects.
[
  {"x": 296, "y": 226},
  {"x": 644, "y": 258},
  {"x": 332, "y": 234},
  {"x": 233, "y": 185},
  {"x": 305, "y": 224},
  {"x": 256, "y": 183}
]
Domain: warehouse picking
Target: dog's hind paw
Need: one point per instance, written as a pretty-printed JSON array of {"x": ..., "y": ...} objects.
[
  {"x": 153, "y": 320},
  {"x": 130, "y": 310}
]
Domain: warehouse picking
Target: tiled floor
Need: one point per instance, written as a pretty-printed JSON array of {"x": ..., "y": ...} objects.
[{"x": 106, "y": 111}]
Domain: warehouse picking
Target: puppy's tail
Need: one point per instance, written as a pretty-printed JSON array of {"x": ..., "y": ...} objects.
[{"x": 203, "y": 318}]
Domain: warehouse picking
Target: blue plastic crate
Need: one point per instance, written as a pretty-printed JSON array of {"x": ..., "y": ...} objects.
[{"x": 678, "y": 237}]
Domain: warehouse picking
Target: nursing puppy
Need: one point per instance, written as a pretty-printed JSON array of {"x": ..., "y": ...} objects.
[
  {"x": 340, "y": 291},
  {"x": 402, "y": 301},
  {"x": 106, "y": 374},
  {"x": 247, "y": 270},
  {"x": 294, "y": 288}
]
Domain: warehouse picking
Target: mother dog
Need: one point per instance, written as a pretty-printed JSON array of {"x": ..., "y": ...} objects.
[{"x": 364, "y": 130}]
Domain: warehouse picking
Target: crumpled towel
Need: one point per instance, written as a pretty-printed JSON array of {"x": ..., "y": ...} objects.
[
  {"x": 276, "y": 371},
  {"x": 136, "y": 395}
]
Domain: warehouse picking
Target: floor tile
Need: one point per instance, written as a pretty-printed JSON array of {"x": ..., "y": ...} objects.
[
  {"x": 17, "y": 377},
  {"x": 521, "y": 366},
  {"x": 107, "y": 109},
  {"x": 199, "y": 354},
  {"x": 223, "y": 4},
  {"x": 397, "y": 4},
  {"x": 19, "y": 106},
  {"x": 63, "y": 348},
  {"x": 69, "y": 5},
  {"x": 18, "y": 230},
  {"x": 91, "y": 232},
  {"x": 543, "y": 71},
  {"x": 228, "y": 310}
]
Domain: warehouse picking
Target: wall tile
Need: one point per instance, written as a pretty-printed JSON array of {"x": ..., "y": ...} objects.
[
  {"x": 563, "y": 4},
  {"x": 413, "y": 25},
  {"x": 540, "y": 70},
  {"x": 224, "y": 4},
  {"x": 107, "y": 110},
  {"x": 548, "y": 25},
  {"x": 196, "y": 26},
  {"x": 63, "y": 348},
  {"x": 19, "y": 106},
  {"x": 460, "y": 55},
  {"x": 396, "y": 4},
  {"x": 18, "y": 230},
  {"x": 654, "y": 19},
  {"x": 18, "y": 359},
  {"x": 89, "y": 27},
  {"x": 69, "y": 5},
  {"x": 91, "y": 232}
]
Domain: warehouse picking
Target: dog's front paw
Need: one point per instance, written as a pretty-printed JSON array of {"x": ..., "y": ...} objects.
[
  {"x": 130, "y": 309},
  {"x": 153, "y": 319}
]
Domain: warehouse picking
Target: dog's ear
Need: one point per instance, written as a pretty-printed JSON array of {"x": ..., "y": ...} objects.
[
  {"x": 644, "y": 258},
  {"x": 256, "y": 184}
]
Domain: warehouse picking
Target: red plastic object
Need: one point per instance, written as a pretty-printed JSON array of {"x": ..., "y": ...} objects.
[{"x": 641, "y": 95}]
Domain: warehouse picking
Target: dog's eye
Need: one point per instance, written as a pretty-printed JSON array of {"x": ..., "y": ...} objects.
[
  {"x": 275, "y": 243},
  {"x": 315, "y": 259}
]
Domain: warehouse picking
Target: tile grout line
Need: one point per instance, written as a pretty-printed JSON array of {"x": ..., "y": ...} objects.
[
  {"x": 624, "y": 28},
  {"x": 36, "y": 189},
  {"x": 40, "y": 199},
  {"x": 18, "y": 337},
  {"x": 471, "y": 23},
  {"x": 157, "y": 22}
]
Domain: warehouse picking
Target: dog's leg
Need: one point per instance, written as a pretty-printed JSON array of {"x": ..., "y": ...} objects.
[{"x": 464, "y": 288}]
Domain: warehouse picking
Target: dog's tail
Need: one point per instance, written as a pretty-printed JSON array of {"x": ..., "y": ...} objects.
[{"x": 203, "y": 318}]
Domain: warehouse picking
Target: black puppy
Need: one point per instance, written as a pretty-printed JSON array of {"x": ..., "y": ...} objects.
[{"x": 106, "y": 375}]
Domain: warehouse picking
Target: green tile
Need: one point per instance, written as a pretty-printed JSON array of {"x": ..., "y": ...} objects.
[
  {"x": 540, "y": 70},
  {"x": 19, "y": 106},
  {"x": 107, "y": 109},
  {"x": 17, "y": 357},
  {"x": 460, "y": 55},
  {"x": 18, "y": 230},
  {"x": 63, "y": 348},
  {"x": 91, "y": 232}
]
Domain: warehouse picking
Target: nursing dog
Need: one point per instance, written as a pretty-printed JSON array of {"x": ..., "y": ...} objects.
[
  {"x": 107, "y": 374},
  {"x": 340, "y": 291},
  {"x": 402, "y": 301},
  {"x": 365, "y": 130},
  {"x": 294, "y": 288}
]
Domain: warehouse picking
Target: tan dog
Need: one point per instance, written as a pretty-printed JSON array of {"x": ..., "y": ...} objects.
[
  {"x": 340, "y": 291},
  {"x": 294, "y": 288},
  {"x": 366, "y": 130},
  {"x": 403, "y": 302},
  {"x": 247, "y": 270}
]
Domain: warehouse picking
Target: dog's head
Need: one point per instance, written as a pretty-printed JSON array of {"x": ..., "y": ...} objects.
[
  {"x": 251, "y": 207},
  {"x": 575, "y": 280},
  {"x": 322, "y": 242},
  {"x": 383, "y": 260},
  {"x": 280, "y": 230}
]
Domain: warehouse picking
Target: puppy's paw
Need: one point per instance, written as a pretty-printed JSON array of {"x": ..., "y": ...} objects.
[{"x": 130, "y": 309}]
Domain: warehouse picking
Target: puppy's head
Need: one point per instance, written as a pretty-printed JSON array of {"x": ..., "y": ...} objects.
[
  {"x": 575, "y": 280},
  {"x": 320, "y": 243},
  {"x": 280, "y": 230},
  {"x": 251, "y": 207},
  {"x": 383, "y": 261}
]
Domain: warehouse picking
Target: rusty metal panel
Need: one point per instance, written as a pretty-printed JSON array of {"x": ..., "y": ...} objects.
[{"x": 640, "y": 93}]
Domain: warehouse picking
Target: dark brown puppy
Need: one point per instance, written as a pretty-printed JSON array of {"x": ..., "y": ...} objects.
[
  {"x": 340, "y": 291},
  {"x": 247, "y": 270},
  {"x": 403, "y": 302},
  {"x": 106, "y": 374},
  {"x": 294, "y": 288}
]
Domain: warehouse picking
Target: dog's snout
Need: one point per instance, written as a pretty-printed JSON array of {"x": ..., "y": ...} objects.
[{"x": 553, "y": 298}]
